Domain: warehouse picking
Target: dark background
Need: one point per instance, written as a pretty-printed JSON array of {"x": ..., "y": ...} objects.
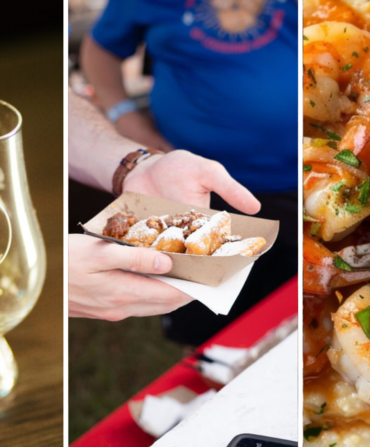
[{"x": 31, "y": 67}]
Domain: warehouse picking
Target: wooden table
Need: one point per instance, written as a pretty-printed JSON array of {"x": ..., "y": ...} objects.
[{"x": 31, "y": 80}]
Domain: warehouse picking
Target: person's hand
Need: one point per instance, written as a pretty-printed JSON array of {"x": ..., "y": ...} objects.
[
  {"x": 98, "y": 288},
  {"x": 188, "y": 178}
]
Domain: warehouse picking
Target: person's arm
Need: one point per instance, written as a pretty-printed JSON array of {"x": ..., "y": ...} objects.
[
  {"x": 95, "y": 150},
  {"x": 103, "y": 70},
  {"x": 98, "y": 287}
]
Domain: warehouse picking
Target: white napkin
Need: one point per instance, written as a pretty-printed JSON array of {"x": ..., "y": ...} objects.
[
  {"x": 160, "y": 414},
  {"x": 215, "y": 371},
  {"x": 219, "y": 299},
  {"x": 224, "y": 354}
]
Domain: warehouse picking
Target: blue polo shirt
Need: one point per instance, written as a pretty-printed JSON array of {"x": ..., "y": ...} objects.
[{"x": 226, "y": 79}]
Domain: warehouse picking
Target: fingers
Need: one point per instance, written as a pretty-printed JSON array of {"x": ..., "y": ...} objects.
[
  {"x": 134, "y": 259},
  {"x": 217, "y": 179}
]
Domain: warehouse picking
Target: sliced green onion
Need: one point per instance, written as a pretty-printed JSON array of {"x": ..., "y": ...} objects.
[
  {"x": 342, "y": 265},
  {"x": 354, "y": 209},
  {"x": 338, "y": 186},
  {"x": 307, "y": 167},
  {"x": 364, "y": 189},
  {"x": 363, "y": 318},
  {"x": 346, "y": 67},
  {"x": 346, "y": 156}
]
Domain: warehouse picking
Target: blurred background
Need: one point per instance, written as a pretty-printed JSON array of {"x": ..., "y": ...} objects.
[
  {"x": 31, "y": 66},
  {"x": 108, "y": 362}
]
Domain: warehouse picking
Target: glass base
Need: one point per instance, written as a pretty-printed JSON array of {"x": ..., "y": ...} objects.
[{"x": 8, "y": 368}]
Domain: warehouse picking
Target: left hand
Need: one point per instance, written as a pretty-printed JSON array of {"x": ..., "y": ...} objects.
[{"x": 184, "y": 177}]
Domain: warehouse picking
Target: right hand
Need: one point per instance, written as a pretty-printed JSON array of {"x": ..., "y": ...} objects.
[
  {"x": 140, "y": 128},
  {"x": 99, "y": 288}
]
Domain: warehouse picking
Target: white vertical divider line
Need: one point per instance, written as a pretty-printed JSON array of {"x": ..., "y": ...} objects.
[
  {"x": 65, "y": 223},
  {"x": 300, "y": 223}
]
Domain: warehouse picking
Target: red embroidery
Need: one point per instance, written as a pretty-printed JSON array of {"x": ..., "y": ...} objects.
[{"x": 219, "y": 46}]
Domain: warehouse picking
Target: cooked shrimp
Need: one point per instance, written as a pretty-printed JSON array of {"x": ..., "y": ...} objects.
[
  {"x": 335, "y": 193},
  {"x": 321, "y": 275},
  {"x": 356, "y": 137},
  {"x": 336, "y": 71},
  {"x": 350, "y": 352}
]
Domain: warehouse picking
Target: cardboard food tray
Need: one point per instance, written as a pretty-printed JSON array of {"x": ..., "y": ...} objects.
[{"x": 208, "y": 270}]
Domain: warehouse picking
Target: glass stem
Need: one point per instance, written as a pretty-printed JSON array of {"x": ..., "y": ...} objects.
[{"x": 8, "y": 368}]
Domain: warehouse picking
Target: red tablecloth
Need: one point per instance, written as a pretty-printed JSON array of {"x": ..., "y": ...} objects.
[{"x": 119, "y": 429}]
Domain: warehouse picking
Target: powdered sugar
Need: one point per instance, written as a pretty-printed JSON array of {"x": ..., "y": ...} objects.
[
  {"x": 239, "y": 247},
  {"x": 216, "y": 222},
  {"x": 171, "y": 234}
]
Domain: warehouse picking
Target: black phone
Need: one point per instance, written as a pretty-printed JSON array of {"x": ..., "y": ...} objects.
[{"x": 260, "y": 441}]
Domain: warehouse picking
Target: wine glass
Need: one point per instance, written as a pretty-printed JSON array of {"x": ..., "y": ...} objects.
[{"x": 22, "y": 249}]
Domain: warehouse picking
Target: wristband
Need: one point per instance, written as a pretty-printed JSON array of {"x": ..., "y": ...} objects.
[
  {"x": 127, "y": 164},
  {"x": 121, "y": 108}
]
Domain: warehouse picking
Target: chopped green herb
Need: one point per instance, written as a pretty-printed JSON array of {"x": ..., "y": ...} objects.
[
  {"x": 338, "y": 186},
  {"x": 340, "y": 264},
  {"x": 346, "y": 67},
  {"x": 318, "y": 127},
  {"x": 323, "y": 349},
  {"x": 363, "y": 318},
  {"x": 346, "y": 156},
  {"x": 322, "y": 408},
  {"x": 355, "y": 54},
  {"x": 312, "y": 432},
  {"x": 333, "y": 145},
  {"x": 333, "y": 445},
  {"x": 315, "y": 228},
  {"x": 312, "y": 75},
  {"x": 307, "y": 167},
  {"x": 312, "y": 104},
  {"x": 333, "y": 136},
  {"x": 305, "y": 38},
  {"x": 364, "y": 189},
  {"x": 367, "y": 99},
  {"x": 354, "y": 209},
  {"x": 366, "y": 49}
]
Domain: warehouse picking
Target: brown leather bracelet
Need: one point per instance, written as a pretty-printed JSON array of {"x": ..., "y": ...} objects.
[{"x": 127, "y": 164}]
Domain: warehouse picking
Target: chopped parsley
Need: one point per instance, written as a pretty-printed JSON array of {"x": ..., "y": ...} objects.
[
  {"x": 312, "y": 75},
  {"x": 312, "y": 104},
  {"x": 305, "y": 38},
  {"x": 333, "y": 445},
  {"x": 364, "y": 190},
  {"x": 346, "y": 67},
  {"x": 355, "y": 54},
  {"x": 333, "y": 145},
  {"x": 338, "y": 186},
  {"x": 333, "y": 136},
  {"x": 346, "y": 156},
  {"x": 342, "y": 265},
  {"x": 322, "y": 408},
  {"x": 363, "y": 317},
  {"x": 323, "y": 349},
  {"x": 307, "y": 167},
  {"x": 312, "y": 432}
]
